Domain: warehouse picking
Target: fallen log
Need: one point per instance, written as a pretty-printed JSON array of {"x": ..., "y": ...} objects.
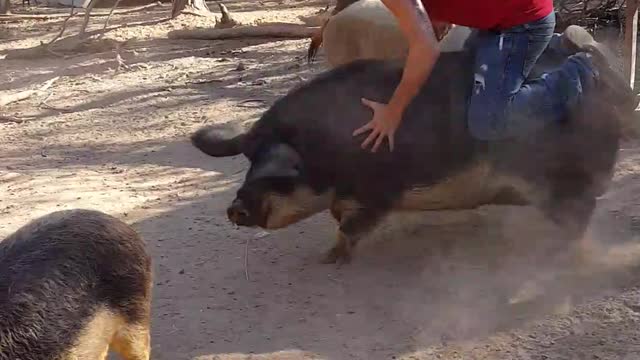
[{"x": 296, "y": 31}]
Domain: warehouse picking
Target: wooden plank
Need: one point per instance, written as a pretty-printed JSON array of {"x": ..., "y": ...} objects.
[{"x": 630, "y": 40}]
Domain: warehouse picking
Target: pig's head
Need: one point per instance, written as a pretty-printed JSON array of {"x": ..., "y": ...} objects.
[{"x": 275, "y": 192}]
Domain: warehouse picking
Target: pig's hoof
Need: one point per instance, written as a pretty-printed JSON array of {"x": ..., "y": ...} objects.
[{"x": 337, "y": 255}]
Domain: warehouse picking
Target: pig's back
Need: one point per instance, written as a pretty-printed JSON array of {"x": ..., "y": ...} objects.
[{"x": 430, "y": 143}]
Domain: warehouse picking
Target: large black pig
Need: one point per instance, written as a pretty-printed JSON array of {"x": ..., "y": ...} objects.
[{"x": 305, "y": 160}]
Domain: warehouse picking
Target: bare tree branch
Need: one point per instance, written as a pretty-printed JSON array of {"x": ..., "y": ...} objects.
[
  {"x": 10, "y": 119},
  {"x": 121, "y": 63},
  {"x": 64, "y": 27},
  {"x": 83, "y": 29},
  {"x": 106, "y": 22}
]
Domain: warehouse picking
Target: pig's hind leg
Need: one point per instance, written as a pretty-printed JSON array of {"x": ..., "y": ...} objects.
[{"x": 570, "y": 209}]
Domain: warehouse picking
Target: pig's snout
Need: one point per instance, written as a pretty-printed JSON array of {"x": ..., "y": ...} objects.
[{"x": 238, "y": 213}]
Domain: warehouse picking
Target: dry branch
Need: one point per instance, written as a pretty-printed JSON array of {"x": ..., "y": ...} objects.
[
  {"x": 195, "y": 13},
  {"x": 121, "y": 63},
  {"x": 226, "y": 21},
  {"x": 64, "y": 27},
  {"x": 106, "y": 22},
  {"x": 225, "y": 17},
  {"x": 275, "y": 30},
  {"x": 87, "y": 14},
  {"x": 45, "y": 105},
  {"x": 22, "y": 95},
  {"x": 245, "y": 103},
  {"x": 19, "y": 17},
  {"x": 246, "y": 259},
  {"x": 10, "y": 119}
]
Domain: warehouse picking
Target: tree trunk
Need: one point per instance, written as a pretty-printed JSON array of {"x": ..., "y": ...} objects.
[
  {"x": 5, "y": 6},
  {"x": 197, "y": 6}
]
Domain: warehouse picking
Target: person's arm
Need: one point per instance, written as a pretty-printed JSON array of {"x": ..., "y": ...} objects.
[
  {"x": 423, "y": 50},
  {"x": 422, "y": 54}
]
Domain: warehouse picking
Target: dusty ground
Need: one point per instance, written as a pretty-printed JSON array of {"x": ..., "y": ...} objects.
[{"x": 423, "y": 287}]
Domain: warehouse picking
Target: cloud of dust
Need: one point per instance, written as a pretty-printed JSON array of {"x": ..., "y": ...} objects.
[
  {"x": 482, "y": 278},
  {"x": 490, "y": 273}
]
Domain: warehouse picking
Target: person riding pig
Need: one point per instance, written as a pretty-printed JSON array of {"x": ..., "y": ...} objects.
[{"x": 511, "y": 37}]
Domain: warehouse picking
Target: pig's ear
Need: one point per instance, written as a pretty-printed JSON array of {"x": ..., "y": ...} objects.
[
  {"x": 277, "y": 161},
  {"x": 218, "y": 141}
]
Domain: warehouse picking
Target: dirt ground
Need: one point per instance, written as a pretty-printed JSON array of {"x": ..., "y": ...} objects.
[{"x": 424, "y": 286}]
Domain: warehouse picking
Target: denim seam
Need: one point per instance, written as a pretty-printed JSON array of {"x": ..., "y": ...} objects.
[{"x": 507, "y": 64}]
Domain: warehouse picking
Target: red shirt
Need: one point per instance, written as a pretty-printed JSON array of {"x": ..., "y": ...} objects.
[{"x": 488, "y": 14}]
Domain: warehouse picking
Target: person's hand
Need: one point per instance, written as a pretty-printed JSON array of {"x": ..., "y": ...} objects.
[{"x": 383, "y": 125}]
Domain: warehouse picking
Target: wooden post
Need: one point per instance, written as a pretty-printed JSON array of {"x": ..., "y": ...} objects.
[{"x": 630, "y": 39}]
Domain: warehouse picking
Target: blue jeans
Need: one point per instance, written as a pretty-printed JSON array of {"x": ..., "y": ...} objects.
[{"x": 502, "y": 105}]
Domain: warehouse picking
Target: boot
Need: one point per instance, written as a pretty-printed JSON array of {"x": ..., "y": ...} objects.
[{"x": 577, "y": 39}]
